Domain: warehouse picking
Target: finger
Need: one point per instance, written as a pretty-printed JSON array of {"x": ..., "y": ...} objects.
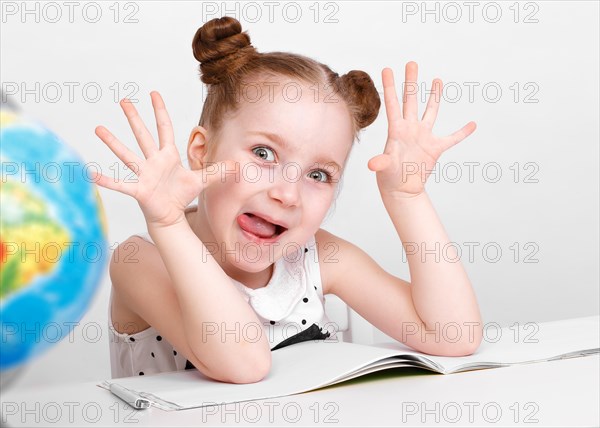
[
  {"x": 118, "y": 148},
  {"x": 458, "y": 136},
  {"x": 163, "y": 121},
  {"x": 433, "y": 104},
  {"x": 109, "y": 183},
  {"x": 380, "y": 162},
  {"x": 142, "y": 135},
  {"x": 410, "y": 92},
  {"x": 392, "y": 107}
]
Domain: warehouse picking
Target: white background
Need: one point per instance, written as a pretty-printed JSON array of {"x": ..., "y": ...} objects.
[{"x": 549, "y": 126}]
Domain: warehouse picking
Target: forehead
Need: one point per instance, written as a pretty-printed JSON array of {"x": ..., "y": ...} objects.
[{"x": 303, "y": 114}]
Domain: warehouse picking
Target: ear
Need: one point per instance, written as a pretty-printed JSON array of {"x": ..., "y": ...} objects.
[{"x": 196, "y": 149}]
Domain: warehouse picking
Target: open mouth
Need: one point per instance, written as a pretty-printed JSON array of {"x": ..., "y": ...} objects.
[{"x": 259, "y": 226}]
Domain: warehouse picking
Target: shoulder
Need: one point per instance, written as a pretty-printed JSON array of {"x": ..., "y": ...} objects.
[
  {"x": 339, "y": 259},
  {"x": 132, "y": 254},
  {"x": 135, "y": 265}
]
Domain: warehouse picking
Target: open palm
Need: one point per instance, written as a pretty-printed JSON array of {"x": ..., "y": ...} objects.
[
  {"x": 164, "y": 187},
  {"x": 411, "y": 149}
]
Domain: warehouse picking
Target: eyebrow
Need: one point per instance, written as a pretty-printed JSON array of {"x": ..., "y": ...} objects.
[{"x": 278, "y": 139}]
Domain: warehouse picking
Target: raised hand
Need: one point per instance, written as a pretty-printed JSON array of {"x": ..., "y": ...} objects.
[
  {"x": 164, "y": 187},
  {"x": 411, "y": 150}
]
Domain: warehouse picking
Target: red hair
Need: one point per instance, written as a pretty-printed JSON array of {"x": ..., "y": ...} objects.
[{"x": 228, "y": 61}]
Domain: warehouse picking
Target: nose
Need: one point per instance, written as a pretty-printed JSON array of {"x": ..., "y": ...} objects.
[{"x": 286, "y": 191}]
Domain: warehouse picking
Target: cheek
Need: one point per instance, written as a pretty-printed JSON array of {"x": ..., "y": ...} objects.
[
  {"x": 317, "y": 202},
  {"x": 253, "y": 173},
  {"x": 216, "y": 204},
  {"x": 228, "y": 193},
  {"x": 259, "y": 177}
]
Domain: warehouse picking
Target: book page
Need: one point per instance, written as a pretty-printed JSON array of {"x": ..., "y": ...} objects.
[
  {"x": 295, "y": 368},
  {"x": 526, "y": 342},
  {"x": 313, "y": 364}
]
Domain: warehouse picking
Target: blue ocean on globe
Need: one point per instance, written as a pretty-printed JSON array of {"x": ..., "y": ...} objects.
[{"x": 53, "y": 243}]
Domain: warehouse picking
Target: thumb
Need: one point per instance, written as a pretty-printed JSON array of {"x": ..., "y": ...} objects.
[
  {"x": 380, "y": 162},
  {"x": 212, "y": 172}
]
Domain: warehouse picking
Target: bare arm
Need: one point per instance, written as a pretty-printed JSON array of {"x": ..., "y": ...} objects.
[
  {"x": 441, "y": 291},
  {"x": 387, "y": 301},
  {"x": 215, "y": 316},
  {"x": 143, "y": 288},
  {"x": 206, "y": 296}
]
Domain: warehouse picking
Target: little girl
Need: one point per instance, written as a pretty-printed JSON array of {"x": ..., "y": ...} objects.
[{"x": 220, "y": 285}]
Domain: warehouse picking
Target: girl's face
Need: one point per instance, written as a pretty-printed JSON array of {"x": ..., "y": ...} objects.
[{"x": 290, "y": 155}]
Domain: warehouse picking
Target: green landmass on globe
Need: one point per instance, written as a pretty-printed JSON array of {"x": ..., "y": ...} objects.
[
  {"x": 31, "y": 242},
  {"x": 53, "y": 247}
]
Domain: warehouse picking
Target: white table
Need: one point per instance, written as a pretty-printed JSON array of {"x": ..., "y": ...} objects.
[{"x": 557, "y": 393}]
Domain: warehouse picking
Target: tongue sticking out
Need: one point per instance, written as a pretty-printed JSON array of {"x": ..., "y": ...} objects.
[{"x": 257, "y": 225}]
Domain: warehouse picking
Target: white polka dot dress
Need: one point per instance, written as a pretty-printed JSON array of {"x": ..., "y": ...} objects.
[{"x": 291, "y": 309}]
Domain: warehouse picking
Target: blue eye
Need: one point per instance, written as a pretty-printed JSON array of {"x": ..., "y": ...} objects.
[
  {"x": 320, "y": 175},
  {"x": 264, "y": 153}
]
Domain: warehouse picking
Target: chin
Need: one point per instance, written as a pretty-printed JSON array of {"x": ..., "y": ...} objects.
[
  {"x": 255, "y": 258},
  {"x": 254, "y": 266}
]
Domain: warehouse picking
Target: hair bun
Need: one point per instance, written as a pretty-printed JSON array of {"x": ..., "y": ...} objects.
[
  {"x": 361, "y": 90},
  {"x": 221, "y": 48}
]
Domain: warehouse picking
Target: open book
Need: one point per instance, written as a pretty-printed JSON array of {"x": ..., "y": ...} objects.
[{"x": 311, "y": 365}]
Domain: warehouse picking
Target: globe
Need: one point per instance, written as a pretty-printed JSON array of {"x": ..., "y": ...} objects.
[{"x": 53, "y": 246}]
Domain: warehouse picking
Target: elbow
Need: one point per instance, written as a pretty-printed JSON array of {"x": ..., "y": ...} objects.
[
  {"x": 466, "y": 343},
  {"x": 463, "y": 348},
  {"x": 252, "y": 372},
  {"x": 460, "y": 351},
  {"x": 249, "y": 370}
]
